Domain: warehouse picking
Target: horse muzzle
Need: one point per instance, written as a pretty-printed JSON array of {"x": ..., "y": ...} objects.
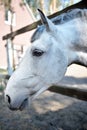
[{"x": 16, "y": 105}]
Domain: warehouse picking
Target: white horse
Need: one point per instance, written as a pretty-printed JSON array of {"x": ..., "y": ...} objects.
[{"x": 54, "y": 47}]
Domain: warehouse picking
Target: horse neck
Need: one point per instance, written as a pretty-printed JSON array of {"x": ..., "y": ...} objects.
[{"x": 74, "y": 41}]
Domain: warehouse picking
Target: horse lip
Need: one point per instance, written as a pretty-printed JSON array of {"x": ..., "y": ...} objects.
[
  {"x": 12, "y": 108},
  {"x": 23, "y": 104}
]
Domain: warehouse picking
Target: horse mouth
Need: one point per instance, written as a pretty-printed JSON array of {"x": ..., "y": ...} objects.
[
  {"x": 24, "y": 104},
  {"x": 21, "y": 107}
]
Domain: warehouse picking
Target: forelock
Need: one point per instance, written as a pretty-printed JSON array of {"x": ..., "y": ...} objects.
[{"x": 37, "y": 34}]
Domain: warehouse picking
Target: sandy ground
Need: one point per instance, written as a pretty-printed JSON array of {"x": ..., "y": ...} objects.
[{"x": 49, "y": 111}]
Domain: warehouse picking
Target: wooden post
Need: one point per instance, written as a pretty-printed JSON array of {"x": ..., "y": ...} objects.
[{"x": 9, "y": 57}]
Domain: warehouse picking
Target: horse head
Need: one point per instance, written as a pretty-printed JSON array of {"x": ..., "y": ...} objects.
[{"x": 43, "y": 65}]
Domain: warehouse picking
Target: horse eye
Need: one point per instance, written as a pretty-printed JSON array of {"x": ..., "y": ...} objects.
[{"x": 37, "y": 52}]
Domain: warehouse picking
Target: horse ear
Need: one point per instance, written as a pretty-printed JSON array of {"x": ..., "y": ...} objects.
[
  {"x": 45, "y": 21},
  {"x": 43, "y": 18}
]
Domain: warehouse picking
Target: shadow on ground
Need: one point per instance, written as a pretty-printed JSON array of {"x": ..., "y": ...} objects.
[{"x": 49, "y": 112}]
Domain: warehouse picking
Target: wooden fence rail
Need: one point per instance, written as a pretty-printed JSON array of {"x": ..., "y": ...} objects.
[{"x": 68, "y": 91}]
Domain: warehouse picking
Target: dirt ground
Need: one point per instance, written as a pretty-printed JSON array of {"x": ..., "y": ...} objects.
[{"x": 49, "y": 111}]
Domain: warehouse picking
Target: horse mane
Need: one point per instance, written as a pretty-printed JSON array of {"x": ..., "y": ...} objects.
[
  {"x": 60, "y": 19},
  {"x": 69, "y": 15}
]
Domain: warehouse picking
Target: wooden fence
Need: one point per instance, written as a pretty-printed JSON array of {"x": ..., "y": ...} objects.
[{"x": 69, "y": 91}]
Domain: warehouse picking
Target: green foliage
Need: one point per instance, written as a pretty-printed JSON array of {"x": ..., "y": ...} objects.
[
  {"x": 48, "y": 6},
  {"x": 6, "y": 3},
  {"x": 3, "y": 71}
]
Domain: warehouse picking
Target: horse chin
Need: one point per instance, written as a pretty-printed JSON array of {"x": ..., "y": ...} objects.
[{"x": 24, "y": 104}]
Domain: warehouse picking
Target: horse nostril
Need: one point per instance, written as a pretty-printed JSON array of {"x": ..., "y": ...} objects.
[{"x": 8, "y": 99}]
